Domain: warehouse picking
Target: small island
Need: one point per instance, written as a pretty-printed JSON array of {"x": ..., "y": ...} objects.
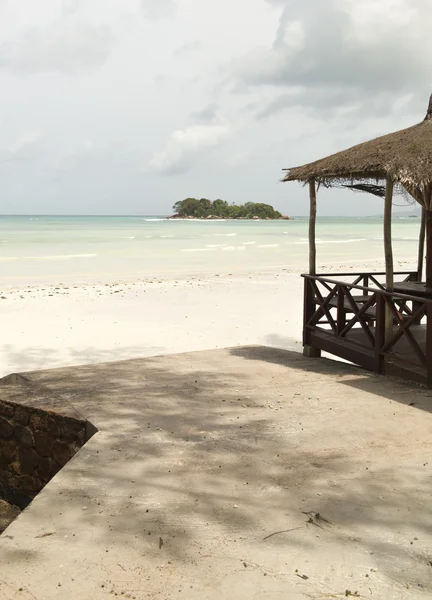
[{"x": 192, "y": 208}]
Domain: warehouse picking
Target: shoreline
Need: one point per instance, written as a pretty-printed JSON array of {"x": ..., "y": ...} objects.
[
  {"x": 216, "y": 218},
  {"x": 26, "y": 281}
]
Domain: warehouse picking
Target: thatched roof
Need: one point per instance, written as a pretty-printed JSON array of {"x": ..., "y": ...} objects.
[{"x": 405, "y": 155}]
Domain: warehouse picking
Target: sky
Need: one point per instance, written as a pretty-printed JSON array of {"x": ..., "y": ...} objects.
[{"x": 126, "y": 106}]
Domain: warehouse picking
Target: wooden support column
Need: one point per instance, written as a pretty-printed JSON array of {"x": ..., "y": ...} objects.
[
  {"x": 379, "y": 333},
  {"x": 428, "y": 219},
  {"x": 312, "y": 224},
  {"x": 428, "y": 248},
  {"x": 429, "y": 344},
  {"x": 388, "y": 251},
  {"x": 309, "y": 306},
  {"x": 421, "y": 248}
]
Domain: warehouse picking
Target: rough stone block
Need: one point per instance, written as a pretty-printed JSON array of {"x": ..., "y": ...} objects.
[
  {"x": 8, "y": 513},
  {"x": 24, "y": 435},
  {"x": 6, "y": 428},
  {"x": 43, "y": 443},
  {"x": 22, "y": 415},
  {"x": 47, "y": 469},
  {"x": 29, "y": 484},
  {"x": 52, "y": 426},
  {"x": 39, "y": 421},
  {"x": 73, "y": 427},
  {"x": 8, "y": 452},
  {"x": 28, "y": 460},
  {"x": 15, "y": 467},
  {"x": 63, "y": 452},
  {"x": 6, "y": 409},
  {"x": 73, "y": 437}
]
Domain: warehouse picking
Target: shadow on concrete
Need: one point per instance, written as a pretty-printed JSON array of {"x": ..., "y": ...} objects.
[
  {"x": 188, "y": 445},
  {"x": 37, "y": 357},
  {"x": 392, "y": 388}
]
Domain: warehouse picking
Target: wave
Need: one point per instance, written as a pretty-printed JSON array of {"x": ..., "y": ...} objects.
[
  {"x": 195, "y": 249},
  {"x": 225, "y": 234},
  {"x": 354, "y": 240},
  {"x": 343, "y": 241},
  {"x": 268, "y": 245},
  {"x": 396, "y": 239},
  {"x": 192, "y": 220},
  {"x": 155, "y": 219},
  {"x": 50, "y": 257}
]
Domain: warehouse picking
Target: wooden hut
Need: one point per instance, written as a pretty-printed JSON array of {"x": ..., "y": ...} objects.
[{"x": 379, "y": 321}]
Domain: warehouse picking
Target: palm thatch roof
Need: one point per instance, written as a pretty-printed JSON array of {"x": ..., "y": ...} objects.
[{"x": 405, "y": 156}]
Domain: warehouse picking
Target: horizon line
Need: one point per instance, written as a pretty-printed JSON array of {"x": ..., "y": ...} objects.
[{"x": 167, "y": 215}]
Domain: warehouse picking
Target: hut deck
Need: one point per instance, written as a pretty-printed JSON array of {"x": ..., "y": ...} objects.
[
  {"x": 352, "y": 348},
  {"x": 348, "y": 319}
]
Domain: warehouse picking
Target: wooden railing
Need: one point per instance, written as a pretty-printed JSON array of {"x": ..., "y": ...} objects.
[{"x": 347, "y": 318}]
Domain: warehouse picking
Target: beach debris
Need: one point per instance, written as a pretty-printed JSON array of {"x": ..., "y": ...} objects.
[
  {"x": 315, "y": 518},
  {"x": 279, "y": 532},
  {"x": 160, "y": 543}
]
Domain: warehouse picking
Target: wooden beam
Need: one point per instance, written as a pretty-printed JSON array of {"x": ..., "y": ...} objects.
[
  {"x": 388, "y": 251},
  {"x": 312, "y": 224},
  {"x": 421, "y": 247}
]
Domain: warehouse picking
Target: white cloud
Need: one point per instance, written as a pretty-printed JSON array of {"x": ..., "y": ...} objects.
[
  {"x": 27, "y": 146},
  {"x": 187, "y": 146},
  {"x": 156, "y": 9},
  {"x": 331, "y": 53},
  {"x": 67, "y": 36},
  {"x": 25, "y": 141},
  {"x": 69, "y": 45}
]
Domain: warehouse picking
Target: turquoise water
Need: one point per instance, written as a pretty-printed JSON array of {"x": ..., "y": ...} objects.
[{"x": 58, "y": 249}]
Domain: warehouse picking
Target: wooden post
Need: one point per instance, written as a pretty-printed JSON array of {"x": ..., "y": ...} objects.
[
  {"x": 429, "y": 343},
  {"x": 379, "y": 332},
  {"x": 428, "y": 248},
  {"x": 421, "y": 248},
  {"x": 309, "y": 307},
  {"x": 312, "y": 222},
  {"x": 308, "y": 310},
  {"x": 341, "y": 314},
  {"x": 388, "y": 254}
]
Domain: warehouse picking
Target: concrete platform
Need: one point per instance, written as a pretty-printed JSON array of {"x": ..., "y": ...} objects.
[{"x": 238, "y": 473}]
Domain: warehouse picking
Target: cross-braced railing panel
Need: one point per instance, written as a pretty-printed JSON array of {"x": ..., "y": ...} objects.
[{"x": 348, "y": 311}]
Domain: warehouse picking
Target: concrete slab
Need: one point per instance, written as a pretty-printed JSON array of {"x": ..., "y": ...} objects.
[{"x": 238, "y": 473}]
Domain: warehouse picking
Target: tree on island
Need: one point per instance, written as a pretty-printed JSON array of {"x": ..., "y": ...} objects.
[{"x": 204, "y": 208}]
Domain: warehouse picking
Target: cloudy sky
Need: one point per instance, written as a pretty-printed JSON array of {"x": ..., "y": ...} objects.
[{"x": 126, "y": 106}]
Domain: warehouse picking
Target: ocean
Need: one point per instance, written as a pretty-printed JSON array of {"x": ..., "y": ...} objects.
[{"x": 50, "y": 249}]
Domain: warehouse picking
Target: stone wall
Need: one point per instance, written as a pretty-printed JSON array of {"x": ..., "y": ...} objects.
[{"x": 34, "y": 445}]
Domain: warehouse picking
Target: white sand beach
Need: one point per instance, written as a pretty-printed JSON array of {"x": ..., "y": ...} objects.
[
  {"x": 55, "y": 325},
  {"x": 52, "y": 326}
]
